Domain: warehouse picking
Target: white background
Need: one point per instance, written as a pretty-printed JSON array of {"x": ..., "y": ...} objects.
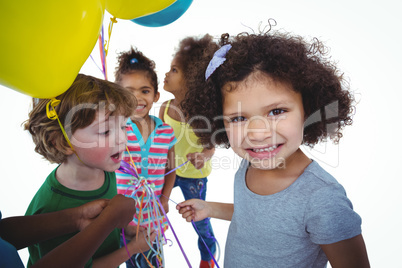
[{"x": 365, "y": 40}]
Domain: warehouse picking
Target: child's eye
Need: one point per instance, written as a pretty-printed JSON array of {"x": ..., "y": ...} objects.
[
  {"x": 146, "y": 91},
  {"x": 237, "y": 119},
  {"x": 105, "y": 133},
  {"x": 276, "y": 112}
]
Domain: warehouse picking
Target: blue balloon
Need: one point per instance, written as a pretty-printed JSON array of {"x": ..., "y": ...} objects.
[{"x": 165, "y": 16}]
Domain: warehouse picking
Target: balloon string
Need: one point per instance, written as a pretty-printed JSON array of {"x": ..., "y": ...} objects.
[
  {"x": 205, "y": 244},
  {"x": 176, "y": 168},
  {"x": 140, "y": 213},
  {"x": 52, "y": 115},
  {"x": 112, "y": 21},
  {"x": 216, "y": 241},
  {"x": 174, "y": 233},
  {"x": 132, "y": 162},
  {"x": 96, "y": 64},
  {"x": 102, "y": 52},
  {"x": 209, "y": 235}
]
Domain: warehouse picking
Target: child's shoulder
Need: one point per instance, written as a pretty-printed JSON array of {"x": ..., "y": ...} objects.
[
  {"x": 314, "y": 170},
  {"x": 316, "y": 181},
  {"x": 162, "y": 127},
  {"x": 165, "y": 104},
  {"x": 165, "y": 129},
  {"x": 162, "y": 109}
]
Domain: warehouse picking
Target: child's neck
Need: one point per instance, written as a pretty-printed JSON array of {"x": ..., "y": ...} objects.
[
  {"x": 145, "y": 125},
  {"x": 178, "y": 98},
  {"x": 79, "y": 177},
  {"x": 271, "y": 181}
]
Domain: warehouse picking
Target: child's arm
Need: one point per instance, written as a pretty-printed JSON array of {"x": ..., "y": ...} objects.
[
  {"x": 199, "y": 159},
  {"x": 197, "y": 210},
  {"x": 162, "y": 111},
  {"x": 169, "y": 180},
  {"x": 18, "y": 230},
  {"x": 119, "y": 256},
  {"x": 76, "y": 251},
  {"x": 349, "y": 253}
]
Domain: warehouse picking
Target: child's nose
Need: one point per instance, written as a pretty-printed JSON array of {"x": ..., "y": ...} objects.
[
  {"x": 258, "y": 128},
  {"x": 137, "y": 95}
]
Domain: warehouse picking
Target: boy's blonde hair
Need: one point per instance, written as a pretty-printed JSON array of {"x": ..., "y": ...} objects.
[{"x": 77, "y": 109}]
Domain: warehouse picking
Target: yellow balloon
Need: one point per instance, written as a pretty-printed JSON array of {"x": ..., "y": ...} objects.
[
  {"x": 43, "y": 44},
  {"x": 131, "y": 9}
]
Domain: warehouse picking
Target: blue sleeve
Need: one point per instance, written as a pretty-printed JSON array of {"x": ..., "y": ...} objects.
[
  {"x": 330, "y": 217},
  {"x": 8, "y": 254}
]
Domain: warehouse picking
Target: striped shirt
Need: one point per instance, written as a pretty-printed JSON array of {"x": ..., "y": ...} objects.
[{"x": 150, "y": 159}]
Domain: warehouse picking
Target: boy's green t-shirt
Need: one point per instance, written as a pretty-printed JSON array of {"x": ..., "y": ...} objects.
[{"x": 52, "y": 196}]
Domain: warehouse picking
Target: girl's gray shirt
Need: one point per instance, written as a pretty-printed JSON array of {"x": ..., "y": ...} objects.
[{"x": 286, "y": 229}]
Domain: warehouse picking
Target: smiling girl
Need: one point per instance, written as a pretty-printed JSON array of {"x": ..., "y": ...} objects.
[
  {"x": 150, "y": 144},
  {"x": 267, "y": 95}
]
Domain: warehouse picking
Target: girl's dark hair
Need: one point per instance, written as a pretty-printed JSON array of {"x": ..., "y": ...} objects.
[
  {"x": 133, "y": 61},
  {"x": 327, "y": 102},
  {"x": 193, "y": 56}
]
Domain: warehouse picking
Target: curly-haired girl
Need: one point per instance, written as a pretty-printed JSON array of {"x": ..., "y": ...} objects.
[
  {"x": 267, "y": 95},
  {"x": 187, "y": 70},
  {"x": 151, "y": 145}
]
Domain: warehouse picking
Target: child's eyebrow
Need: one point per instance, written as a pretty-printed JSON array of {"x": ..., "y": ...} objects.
[
  {"x": 143, "y": 87},
  {"x": 231, "y": 114},
  {"x": 275, "y": 105}
]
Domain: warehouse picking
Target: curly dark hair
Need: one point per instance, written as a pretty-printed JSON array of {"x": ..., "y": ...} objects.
[
  {"x": 194, "y": 53},
  {"x": 193, "y": 56},
  {"x": 327, "y": 101},
  {"x": 134, "y": 61},
  {"x": 77, "y": 109}
]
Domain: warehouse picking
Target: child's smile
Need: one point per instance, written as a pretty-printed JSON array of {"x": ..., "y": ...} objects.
[
  {"x": 140, "y": 85},
  {"x": 264, "y": 152},
  {"x": 264, "y": 120}
]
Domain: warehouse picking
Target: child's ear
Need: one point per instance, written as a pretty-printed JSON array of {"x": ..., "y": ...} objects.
[
  {"x": 58, "y": 142},
  {"x": 157, "y": 95},
  {"x": 68, "y": 151}
]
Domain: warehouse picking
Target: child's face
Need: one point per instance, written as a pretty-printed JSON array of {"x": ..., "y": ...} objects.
[
  {"x": 174, "y": 80},
  {"x": 101, "y": 144},
  {"x": 264, "y": 121},
  {"x": 140, "y": 85}
]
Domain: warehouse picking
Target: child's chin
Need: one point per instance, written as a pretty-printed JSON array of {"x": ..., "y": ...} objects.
[
  {"x": 268, "y": 164},
  {"x": 113, "y": 168}
]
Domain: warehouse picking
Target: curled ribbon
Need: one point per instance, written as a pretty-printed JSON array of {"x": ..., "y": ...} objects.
[
  {"x": 52, "y": 115},
  {"x": 141, "y": 185}
]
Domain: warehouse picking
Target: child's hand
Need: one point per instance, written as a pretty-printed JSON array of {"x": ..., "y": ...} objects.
[
  {"x": 194, "y": 209},
  {"x": 88, "y": 212},
  {"x": 197, "y": 159},
  {"x": 130, "y": 231},
  {"x": 140, "y": 244}
]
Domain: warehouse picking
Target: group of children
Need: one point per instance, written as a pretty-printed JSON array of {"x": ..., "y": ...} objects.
[{"x": 254, "y": 93}]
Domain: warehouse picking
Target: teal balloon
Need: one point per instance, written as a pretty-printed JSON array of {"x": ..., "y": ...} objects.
[{"x": 165, "y": 16}]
